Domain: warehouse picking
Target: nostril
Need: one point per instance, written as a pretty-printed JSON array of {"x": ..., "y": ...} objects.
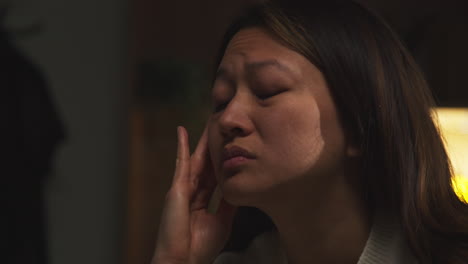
[
  {"x": 236, "y": 130},
  {"x": 232, "y": 132}
]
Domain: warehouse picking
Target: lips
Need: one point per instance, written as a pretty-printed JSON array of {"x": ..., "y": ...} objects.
[
  {"x": 234, "y": 156},
  {"x": 236, "y": 151}
]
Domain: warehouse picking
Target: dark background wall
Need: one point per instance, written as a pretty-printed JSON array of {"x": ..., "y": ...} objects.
[{"x": 81, "y": 49}]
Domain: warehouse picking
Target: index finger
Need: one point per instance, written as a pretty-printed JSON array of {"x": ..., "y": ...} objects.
[
  {"x": 202, "y": 146},
  {"x": 199, "y": 157},
  {"x": 183, "y": 155}
]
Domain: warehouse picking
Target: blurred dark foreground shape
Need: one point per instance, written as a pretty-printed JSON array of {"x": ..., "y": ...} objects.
[{"x": 30, "y": 133}]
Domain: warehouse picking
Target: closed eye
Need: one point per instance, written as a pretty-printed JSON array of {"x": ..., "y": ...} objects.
[
  {"x": 219, "y": 107},
  {"x": 265, "y": 96}
]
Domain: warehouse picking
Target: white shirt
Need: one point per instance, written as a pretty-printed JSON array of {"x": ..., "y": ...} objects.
[{"x": 385, "y": 245}]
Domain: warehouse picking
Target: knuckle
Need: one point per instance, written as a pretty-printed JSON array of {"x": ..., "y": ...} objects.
[
  {"x": 176, "y": 193},
  {"x": 197, "y": 159},
  {"x": 170, "y": 195},
  {"x": 181, "y": 159}
]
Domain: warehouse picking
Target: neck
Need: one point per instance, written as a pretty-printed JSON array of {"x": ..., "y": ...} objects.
[{"x": 328, "y": 226}]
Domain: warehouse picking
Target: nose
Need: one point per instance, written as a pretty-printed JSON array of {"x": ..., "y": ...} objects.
[{"x": 235, "y": 120}]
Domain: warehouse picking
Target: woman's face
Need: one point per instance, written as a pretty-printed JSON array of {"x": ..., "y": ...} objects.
[{"x": 274, "y": 123}]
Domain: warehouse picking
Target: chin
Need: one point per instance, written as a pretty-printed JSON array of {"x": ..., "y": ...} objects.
[{"x": 242, "y": 189}]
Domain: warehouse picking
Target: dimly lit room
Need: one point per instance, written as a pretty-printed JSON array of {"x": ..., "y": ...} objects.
[{"x": 105, "y": 102}]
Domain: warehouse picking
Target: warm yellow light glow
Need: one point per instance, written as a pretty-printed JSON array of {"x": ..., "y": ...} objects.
[
  {"x": 460, "y": 184},
  {"x": 453, "y": 124}
]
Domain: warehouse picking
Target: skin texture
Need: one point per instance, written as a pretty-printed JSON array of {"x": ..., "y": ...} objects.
[
  {"x": 274, "y": 103},
  {"x": 294, "y": 133}
]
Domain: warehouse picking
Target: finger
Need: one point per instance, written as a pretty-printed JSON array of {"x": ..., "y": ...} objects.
[
  {"x": 199, "y": 157},
  {"x": 202, "y": 146},
  {"x": 176, "y": 208},
  {"x": 182, "y": 169}
]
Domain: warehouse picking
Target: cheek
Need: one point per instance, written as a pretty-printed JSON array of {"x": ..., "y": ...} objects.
[{"x": 293, "y": 135}]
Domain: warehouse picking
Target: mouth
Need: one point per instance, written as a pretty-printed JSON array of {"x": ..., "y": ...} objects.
[{"x": 235, "y": 156}]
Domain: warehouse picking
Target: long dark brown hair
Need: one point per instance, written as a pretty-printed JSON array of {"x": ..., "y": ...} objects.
[{"x": 385, "y": 104}]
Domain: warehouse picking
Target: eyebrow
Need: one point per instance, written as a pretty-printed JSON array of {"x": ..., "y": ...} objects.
[{"x": 255, "y": 66}]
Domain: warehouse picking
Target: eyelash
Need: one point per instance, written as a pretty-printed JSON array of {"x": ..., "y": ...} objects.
[
  {"x": 261, "y": 97},
  {"x": 266, "y": 96},
  {"x": 219, "y": 107}
]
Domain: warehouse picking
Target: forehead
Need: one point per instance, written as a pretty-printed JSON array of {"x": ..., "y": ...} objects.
[
  {"x": 256, "y": 44},
  {"x": 254, "y": 38}
]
